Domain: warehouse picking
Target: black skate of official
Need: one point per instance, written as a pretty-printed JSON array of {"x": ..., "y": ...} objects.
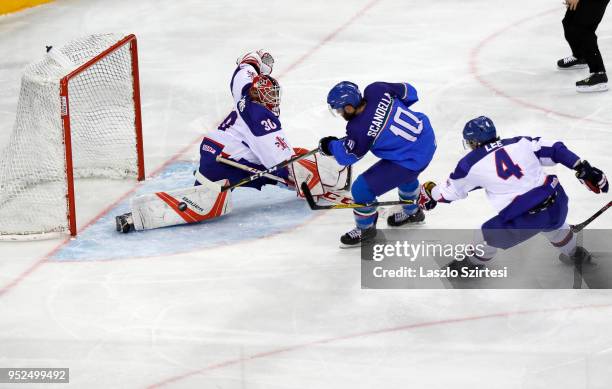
[
  {"x": 596, "y": 82},
  {"x": 571, "y": 62}
]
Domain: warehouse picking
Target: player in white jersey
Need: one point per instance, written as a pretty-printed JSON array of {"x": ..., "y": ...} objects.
[
  {"x": 251, "y": 134},
  {"x": 250, "y": 137},
  {"x": 528, "y": 200}
]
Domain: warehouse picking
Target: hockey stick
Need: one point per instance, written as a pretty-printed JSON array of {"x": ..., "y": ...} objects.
[
  {"x": 255, "y": 176},
  {"x": 330, "y": 196},
  {"x": 579, "y": 227},
  {"x": 246, "y": 168},
  {"x": 315, "y": 207}
]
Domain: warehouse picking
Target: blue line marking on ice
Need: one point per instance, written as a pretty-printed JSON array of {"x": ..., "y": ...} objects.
[{"x": 254, "y": 214}]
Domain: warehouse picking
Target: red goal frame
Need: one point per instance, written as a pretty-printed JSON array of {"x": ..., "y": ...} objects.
[{"x": 65, "y": 116}]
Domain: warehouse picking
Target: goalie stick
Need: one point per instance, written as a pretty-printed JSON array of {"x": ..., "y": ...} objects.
[
  {"x": 330, "y": 196},
  {"x": 315, "y": 207},
  {"x": 579, "y": 227},
  {"x": 274, "y": 168},
  {"x": 246, "y": 168}
]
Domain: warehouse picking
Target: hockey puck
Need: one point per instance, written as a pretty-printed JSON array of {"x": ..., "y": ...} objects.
[{"x": 182, "y": 207}]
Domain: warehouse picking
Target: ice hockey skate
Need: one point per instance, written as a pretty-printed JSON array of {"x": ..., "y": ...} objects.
[
  {"x": 463, "y": 264},
  {"x": 570, "y": 63},
  {"x": 596, "y": 82},
  {"x": 124, "y": 223},
  {"x": 580, "y": 256},
  {"x": 402, "y": 218},
  {"x": 356, "y": 236}
]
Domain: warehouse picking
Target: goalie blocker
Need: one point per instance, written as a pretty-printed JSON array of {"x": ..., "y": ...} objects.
[{"x": 209, "y": 200}]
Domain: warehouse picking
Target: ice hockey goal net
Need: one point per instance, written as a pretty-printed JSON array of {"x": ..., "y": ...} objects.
[{"x": 78, "y": 115}]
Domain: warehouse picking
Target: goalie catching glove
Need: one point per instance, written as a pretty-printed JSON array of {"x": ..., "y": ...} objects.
[
  {"x": 260, "y": 59},
  {"x": 591, "y": 177}
]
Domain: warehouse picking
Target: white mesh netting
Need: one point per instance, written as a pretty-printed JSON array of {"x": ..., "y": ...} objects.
[{"x": 33, "y": 185}]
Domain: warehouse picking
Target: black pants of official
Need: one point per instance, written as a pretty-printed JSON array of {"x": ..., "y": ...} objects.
[{"x": 579, "y": 27}]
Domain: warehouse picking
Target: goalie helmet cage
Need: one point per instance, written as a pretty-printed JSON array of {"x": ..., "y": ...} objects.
[{"x": 78, "y": 115}]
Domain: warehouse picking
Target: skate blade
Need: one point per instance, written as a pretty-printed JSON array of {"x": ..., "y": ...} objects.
[
  {"x": 350, "y": 246},
  {"x": 592, "y": 261},
  {"x": 574, "y": 67},
  {"x": 594, "y": 88},
  {"x": 355, "y": 246},
  {"x": 406, "y": 226}
]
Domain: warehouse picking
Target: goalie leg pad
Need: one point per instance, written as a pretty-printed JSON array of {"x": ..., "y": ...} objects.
[{"x": 182, "y": 206}]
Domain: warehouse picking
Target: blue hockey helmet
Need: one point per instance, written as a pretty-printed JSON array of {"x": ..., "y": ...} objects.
[
  {"x": 479, "y": 130},
  {"x": 343, "y": 94}
]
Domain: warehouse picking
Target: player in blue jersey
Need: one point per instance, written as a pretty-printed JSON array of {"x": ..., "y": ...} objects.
[
  {"x": 528, "y": 200},
  {"x": 381, "y": 122}
]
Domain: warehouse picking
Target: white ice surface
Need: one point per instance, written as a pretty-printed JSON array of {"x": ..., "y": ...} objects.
[{"x": 287, "y": 311}]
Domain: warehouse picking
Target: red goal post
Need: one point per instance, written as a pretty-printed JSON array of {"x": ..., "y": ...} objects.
[
  {"x": 78, "y": 116},
  {"x": 65, "y": 103}
]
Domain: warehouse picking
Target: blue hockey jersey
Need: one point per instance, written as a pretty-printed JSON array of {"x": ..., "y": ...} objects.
[{"x": 388, "y": 128}]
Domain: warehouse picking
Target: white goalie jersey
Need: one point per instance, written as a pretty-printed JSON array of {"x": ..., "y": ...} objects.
[{"x": 251, "y": 131}]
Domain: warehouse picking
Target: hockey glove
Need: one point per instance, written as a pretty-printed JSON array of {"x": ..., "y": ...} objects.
[
  {"x": 426, "y": 200},
  {"x": 591, "y": 177},
  {"x": 262, "y": 60},
  {"x": 324, "y": 145}
]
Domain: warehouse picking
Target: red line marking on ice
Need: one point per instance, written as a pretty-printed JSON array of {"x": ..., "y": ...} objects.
[
  {"x": 22, "y": 276},
  {"x": 330, "y": 37},
  {"x": 64, "y": 242},
  {"x": 180, "y": 153},
  {"x": 473, "y": 62},
  {"x": 364, "y": 334}
]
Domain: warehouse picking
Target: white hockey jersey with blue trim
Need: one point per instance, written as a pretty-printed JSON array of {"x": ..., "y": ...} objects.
[
  {"x": 251, "y": 131},
  {"x": 504, "y": 169}
]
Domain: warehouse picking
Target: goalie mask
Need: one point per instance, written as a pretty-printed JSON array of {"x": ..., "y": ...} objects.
[{"x": 266, "y": 91}]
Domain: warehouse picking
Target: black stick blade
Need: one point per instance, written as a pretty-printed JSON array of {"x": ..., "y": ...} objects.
[{"x": 308, "y": 195}]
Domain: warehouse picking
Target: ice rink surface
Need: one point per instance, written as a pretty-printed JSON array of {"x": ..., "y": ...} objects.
[{"x": 266, "y": 299}]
